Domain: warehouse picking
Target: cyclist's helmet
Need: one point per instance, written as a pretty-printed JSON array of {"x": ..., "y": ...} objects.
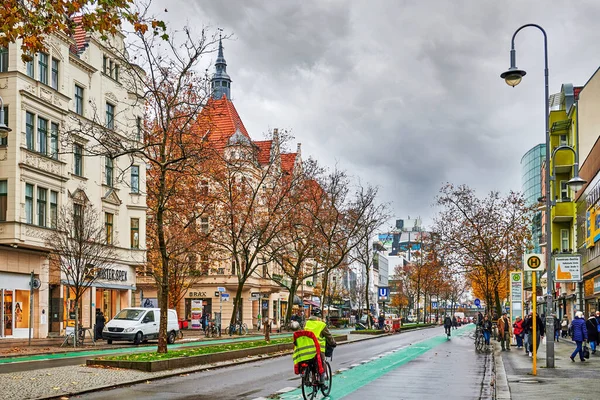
[{"x": 316, "y": 312}]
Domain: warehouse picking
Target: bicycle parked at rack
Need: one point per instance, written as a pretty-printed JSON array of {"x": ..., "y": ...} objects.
[
  {"x": 211, "y": 329},
  {"x": 238, "y": 328},
  {"x": 70, "y": 338}
]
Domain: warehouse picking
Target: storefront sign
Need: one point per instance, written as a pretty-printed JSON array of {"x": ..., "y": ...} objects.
[
  {"x": 199, "y": 295},
  {"x": 592, "y": 223},
  {"x": 111, "y": 274},
  {"x": 597, "y": 284},
  {"x": 567, "y": 268}
]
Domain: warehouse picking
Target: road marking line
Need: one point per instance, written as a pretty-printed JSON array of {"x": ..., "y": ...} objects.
[{"x": 286, "y": 389}]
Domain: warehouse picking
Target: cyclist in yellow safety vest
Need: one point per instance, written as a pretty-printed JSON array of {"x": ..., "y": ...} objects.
[{"x": 305, "y": 349}]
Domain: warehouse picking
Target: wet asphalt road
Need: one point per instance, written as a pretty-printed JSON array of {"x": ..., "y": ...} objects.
[{"x": 419, "y": 364}]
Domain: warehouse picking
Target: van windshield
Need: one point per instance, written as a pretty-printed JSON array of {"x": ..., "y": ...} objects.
[{"x": 132, "y": 315}]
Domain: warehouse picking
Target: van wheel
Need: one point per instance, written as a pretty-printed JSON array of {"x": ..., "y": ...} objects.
[
  {"x": 171, "y": 337},
  {"x": 138, "y": 338},
  {"x": 108, "y": 341}
]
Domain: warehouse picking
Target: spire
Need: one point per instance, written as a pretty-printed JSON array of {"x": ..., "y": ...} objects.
[{"x": 221, "y": 82}]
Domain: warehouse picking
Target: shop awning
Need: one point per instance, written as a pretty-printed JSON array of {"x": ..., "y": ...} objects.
[
  {"x": 297, "y": 300},
  {"x": 312, "y": 303}
]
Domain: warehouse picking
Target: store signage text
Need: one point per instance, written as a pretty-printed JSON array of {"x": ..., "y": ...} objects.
[
  {"x": 112, "y": 275},
  {"x": 196, "y": 294}
]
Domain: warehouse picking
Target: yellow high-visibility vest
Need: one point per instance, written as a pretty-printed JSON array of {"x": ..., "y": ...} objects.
[
  {"x": 316, "y": 327},
  {"x": 304, "y": 350}
]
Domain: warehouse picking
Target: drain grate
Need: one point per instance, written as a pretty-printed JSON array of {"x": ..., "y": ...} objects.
[{"x": 528, "y": 381}]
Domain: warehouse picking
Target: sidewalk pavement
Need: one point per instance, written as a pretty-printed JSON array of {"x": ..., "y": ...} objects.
[
  {"x": 54, "y": 383},
  {"x": 568, "y": 380}
]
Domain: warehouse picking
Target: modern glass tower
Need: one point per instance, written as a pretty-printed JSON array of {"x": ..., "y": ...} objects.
[{"x": 531, "y": 185}]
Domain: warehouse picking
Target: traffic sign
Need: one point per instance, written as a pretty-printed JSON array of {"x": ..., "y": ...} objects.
[
  {"x": 221, "y": 289},
  {"x": 224, "y": 296},
  {"x": 383, "y": 293},
  {"x": 534, "y": 262},
  {"x": 477, "y": 303}
]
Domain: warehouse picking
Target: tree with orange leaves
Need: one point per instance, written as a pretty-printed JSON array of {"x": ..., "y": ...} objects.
[{"x": 483, "y": 237}]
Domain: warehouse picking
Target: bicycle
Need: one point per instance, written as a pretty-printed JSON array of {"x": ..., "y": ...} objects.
[
  {"x": 238, "y": 328},
  {"x": 311, "y": 382},
  {"x": 211, "y": 330},
  {"x": 70, "y": 338},
  {"x": 479, "y": 339}
]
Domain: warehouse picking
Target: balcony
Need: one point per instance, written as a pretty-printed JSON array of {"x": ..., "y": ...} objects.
[
  {"x": 563, "y": 161},
  {"x": 563, "y": 211}
]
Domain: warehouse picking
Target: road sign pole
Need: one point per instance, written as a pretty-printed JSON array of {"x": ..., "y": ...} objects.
[{"x": 534, "y": 299}]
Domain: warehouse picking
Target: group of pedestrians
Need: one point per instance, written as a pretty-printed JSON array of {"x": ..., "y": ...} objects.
[
  {"x": 582, "y": 331},
  {"x": 523, "y": 331}
]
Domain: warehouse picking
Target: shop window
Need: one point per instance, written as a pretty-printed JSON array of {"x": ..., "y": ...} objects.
[
  {"x": 21, "y": 315},
  {"x": 3, "y": 199},
  {"x": 135, "y": 233},
  {"x": 7, "y": 300}
]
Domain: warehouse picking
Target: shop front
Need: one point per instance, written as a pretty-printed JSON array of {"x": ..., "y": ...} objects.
[
  {"x": 15, "y": 303},
  {"x": 197, "y": 304},
  {"x": 109, "y": 293}
]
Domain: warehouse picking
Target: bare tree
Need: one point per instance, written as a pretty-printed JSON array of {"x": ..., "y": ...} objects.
[{"x": 81, "y": 249}]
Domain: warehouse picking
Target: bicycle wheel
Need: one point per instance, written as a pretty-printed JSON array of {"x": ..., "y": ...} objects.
[
  {"x": 326, "y": 389},
  {"x": 309, "y": 384},
  {"x": 479, "y": 344}
]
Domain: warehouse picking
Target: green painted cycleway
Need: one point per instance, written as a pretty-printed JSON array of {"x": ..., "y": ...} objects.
[
  {"x": 113, "y": 351},
  {"x": 353, "y": 379}
]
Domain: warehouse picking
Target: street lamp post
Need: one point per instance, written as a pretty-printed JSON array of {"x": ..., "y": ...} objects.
[{"x": 513, "y": 77}]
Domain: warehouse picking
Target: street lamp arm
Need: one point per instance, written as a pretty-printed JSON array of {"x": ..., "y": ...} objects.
[
  {"x": 512, "y": 42},
  {"x": 565, "y": 147}
]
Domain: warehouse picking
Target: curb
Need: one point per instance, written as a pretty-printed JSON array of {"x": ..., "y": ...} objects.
[
  {"x": 199, "y": 369},
  {"x": 501, "y": 387}
]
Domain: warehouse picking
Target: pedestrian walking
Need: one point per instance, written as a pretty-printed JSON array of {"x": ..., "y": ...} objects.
[
  {"x": 527, "y": 332},
  {"x": 447, "y": 325},
  {"x": 99, "y": 327},
  {"x": 518, "y": 332},
  {"x": 564, "y": 326},
  {"x": 504, "y": 332},
  {"x": 204, "y": 321},
  {"x": 258, "y": 321},
  {"x": 580, "y": 334},
  {"x": 556, "y": 328},
  {"x": 454, "y": 322},
  {"x": 592, "y": 327}
]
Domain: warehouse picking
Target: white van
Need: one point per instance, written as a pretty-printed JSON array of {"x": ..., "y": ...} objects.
[{"x": 138, "y": 325}]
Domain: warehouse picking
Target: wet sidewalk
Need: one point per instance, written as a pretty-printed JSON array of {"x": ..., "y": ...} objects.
[{"x": 568, "y": 380}]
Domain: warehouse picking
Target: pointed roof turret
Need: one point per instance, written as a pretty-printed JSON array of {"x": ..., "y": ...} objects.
[{"x": 221, "y": 82}]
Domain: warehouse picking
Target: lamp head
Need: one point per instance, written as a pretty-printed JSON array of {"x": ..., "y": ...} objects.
[
  {"x": 576, "y": 183},
  {"x": 513, "y": 76}
]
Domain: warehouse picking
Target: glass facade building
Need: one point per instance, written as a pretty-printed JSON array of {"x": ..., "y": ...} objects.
[{"x": 531, "y": 186}]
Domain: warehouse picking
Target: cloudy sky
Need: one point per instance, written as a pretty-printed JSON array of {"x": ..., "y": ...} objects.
[{"x": 405, "y": 95}]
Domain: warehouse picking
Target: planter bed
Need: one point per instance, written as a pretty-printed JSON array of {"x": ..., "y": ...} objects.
[
  {"x": 192, "y": 360},
  {"x": 369, "y": 332}
]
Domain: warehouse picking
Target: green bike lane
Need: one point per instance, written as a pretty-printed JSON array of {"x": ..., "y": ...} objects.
[{"x": 348, "y": 381}]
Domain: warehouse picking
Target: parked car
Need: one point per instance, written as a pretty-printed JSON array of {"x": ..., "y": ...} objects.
[{"x": 138, "y": 325}]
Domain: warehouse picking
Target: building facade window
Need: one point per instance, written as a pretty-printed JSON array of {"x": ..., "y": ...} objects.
[
  {"x": 116, "y": 74},
  {"x": 53, "y": 209},
  {"x": 54, "y": 80},
  {"x": 54, "y": 140},
  {"x": 41, "y": 206},
  {"x": 29, "y": 127},
  {"x": 78, "y": 99},
  {"x": 204, "y": 224},
  {"x": 42, "y": 135},
  {"x": 30, "y": 69},
  {"x": 43, "y": 67},
  {"x": 135, "y": 233},
  {"x": 77, "y": 219},
  {"x": 4, "y": 140},
  {"x": 110, "y": 116},
  {"x": 564, "y": 240},
  {"x": 104, "y": 63},
  {"x": 135, "y": 179},
  {"x": 564, "y": 191},
  {"x": 78, "y": 159},
  {"x": 3, "y": 59},
  {"x": 108, "y": 170},
  {"x": 3, "y": 200},
  {"x": 28, "y": 203},
  {"x": 108, "y": 227}
]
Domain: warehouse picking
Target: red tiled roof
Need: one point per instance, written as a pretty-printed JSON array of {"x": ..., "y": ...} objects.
[
  {"x": 287, "y": 161},
  {"x": 221, "y": 120},
  {"x": 264, "y": 151},
  {"x": 79, "y": 34}
]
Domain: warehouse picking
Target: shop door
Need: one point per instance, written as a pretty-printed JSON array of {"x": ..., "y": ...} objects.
[{"x": 7, "y": 313}]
